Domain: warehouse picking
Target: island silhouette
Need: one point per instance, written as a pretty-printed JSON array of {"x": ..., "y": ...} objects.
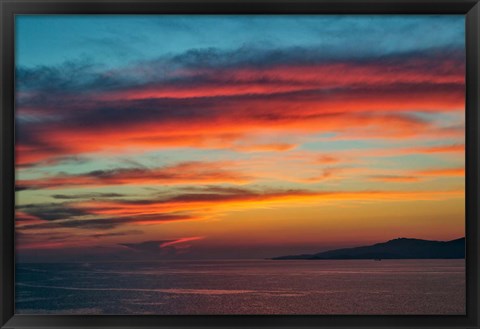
[{"x": 400, "y": 248}]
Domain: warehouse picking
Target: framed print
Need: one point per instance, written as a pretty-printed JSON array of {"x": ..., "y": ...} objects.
[{"x": 239, "y": 164}]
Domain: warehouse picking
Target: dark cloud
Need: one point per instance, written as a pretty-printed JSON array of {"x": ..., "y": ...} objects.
[
  {"x": 194, "y": 171},
  {"x": 220, "y": 195},
  {"x": 123, "y": 233},
  {"x": 62, "y": 215},
  {"x": 395, "y": 178},
  {"x": 74, "y": 77},
  {"x": 54, "y": 161},
  {"x": 19, "y": 188},
  {"x": 247, "y": 56},
  {"x": 106, "y": 223},
  {"x": 25, "y": 237},
  {"x": 208, "y": 109},
  {"x": 240, "y": 196},
  {"x": 86, "y": 196},
  {"x": 216, "y": 189},
  {"x": 70, "y": 76},
  {"x": 52, "y": 211},
  {"x": 148, "y": 246},
  {"x": 161, "y": 247}
]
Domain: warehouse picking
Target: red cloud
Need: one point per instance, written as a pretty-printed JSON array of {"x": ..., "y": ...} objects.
[{"x": 227, "y": 107}]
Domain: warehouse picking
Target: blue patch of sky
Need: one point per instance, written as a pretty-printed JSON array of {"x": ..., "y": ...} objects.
[
  {"x": 445, "y": 119},
  {"x": 174, "y": 156},
  {"x": 415, "y": 161},
  {"x": 326, "y": 145},
  {"x": 115, "y": 41}
]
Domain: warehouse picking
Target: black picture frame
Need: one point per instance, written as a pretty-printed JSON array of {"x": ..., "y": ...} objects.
[{"x": 9, "y": 8}]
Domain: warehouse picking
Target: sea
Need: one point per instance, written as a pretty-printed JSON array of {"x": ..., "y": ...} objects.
[{"x": 299, "y": 287}]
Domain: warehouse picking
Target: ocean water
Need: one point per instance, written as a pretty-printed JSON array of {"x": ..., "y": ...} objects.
[{"x": 243, "y": 287}]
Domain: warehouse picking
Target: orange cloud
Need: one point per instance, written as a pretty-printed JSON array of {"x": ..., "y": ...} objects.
[
  {"x": 440, "y": 149},
  {"x": 278, "y": 147},
  {"x": 417, "y": 175},
  {"x": 182, "y": 240},
  {"x": 224, "y": 132},
  {"x": 211, "y": 203},
  {"x": 442, "y": 172},
  {"x": 327, "y": 159}
]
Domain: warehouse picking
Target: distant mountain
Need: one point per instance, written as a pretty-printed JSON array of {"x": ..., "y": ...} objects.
[{"x": 401, "y": 248}]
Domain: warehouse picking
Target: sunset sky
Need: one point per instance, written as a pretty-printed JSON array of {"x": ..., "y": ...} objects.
[{"x": 173, "y": 137}]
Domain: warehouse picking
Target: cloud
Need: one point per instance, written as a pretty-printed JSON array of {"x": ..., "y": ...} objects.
[
  {"x": 439, "y": 149},
  {"x": 438, "y": 172},
  {"x": 244, "y": 71},
  {"x": 212, "y": 129},
  {"x": 148, "y": 246},
  {"x": 22, "y": 217},
  {"x": 158, "y": 245},
  {"x": 330, "y": 173},
  {"x": 202, "y": 204},
  {"x": 186, "y": 172},
  {"x": 71, "y": 76},
  {"x": 327, "y": 159},
  {"x": 206, "y": 205},
  {"x": 19, "y": 188},
  {"x": 418, "y": 175},
  {"x": 114, "y": 234},
  {"x": 446, "y": 150},
  {"x": 216, "y": 189},
  {"x": 54, "y": 161},
  {"x": 104, "y": 223},
  {"x": 86, "y": 196},
  {"x": 395, "y": 178},
  {"x": 182, "y": 240},
  {"x": 228, "y": 96},
  {"x": 52, "y": 211},
  {"x": 277, "y": 147}
]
